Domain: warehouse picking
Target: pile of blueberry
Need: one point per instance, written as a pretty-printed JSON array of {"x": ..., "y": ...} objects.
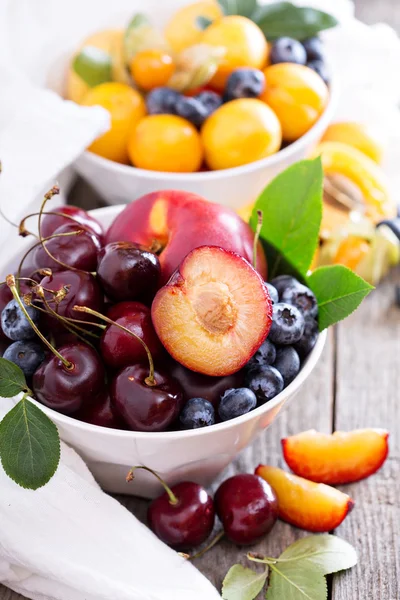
[
  {"x": 245, "y": 82},
  {"x": 293, "y": 334}
]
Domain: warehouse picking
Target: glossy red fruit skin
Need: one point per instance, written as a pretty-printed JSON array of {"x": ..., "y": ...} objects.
[
  {"x": 122, "y": 309},
  {"x": 66, "y": 390},
  {"x": 196, "y": 385},
  {"x": 119, "y": 349},
  {"x": 128, "y": 271},
  {"x": 77, "y": 251},
  {"x": 247, "y": 508},
  {"x": 101, "y": 412},
  {"x": 52, "y": 222},
  {"x": 146, "y": 408},
  {"x": 186, "y": 524},
  {"x": 84, "y": 291}
]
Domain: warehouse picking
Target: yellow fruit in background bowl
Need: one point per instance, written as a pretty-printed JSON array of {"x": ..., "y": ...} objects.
[
  {"x": 358, "y": 135},
  {"x": 165, "y": 143},
  {"x": 182, "y": 30},
  {"x": 240, "y": 132},
  {"x": 152, "y": 68},
  {"x": 244, "y": 42},
  {"x": 126, "y": 107},
  {"x": 109, "y": 40},
  {"x": 297, "y": 95}
]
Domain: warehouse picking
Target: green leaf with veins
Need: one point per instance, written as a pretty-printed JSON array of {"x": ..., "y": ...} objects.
[
  {"x": 286, "y": 19},
  {"x": 93, "y": 65},
  {"x": 328, "y": 553},
  {"x": 241, "y": 583},
  {"x": 244, "y": 8},
  {"x": 29, "y": 445},
  {"x": 12, "y": 379},
  {"x": 296, "y": 581},
  {"x": 339, "y": 292}
]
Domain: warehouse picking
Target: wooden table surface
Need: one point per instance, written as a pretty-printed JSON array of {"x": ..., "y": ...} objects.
[{"x": 356, "y": 384}]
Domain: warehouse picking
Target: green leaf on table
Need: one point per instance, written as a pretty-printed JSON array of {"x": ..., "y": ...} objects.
[
  {"x": 286, "y": 19},
  {"x": 296, "y": 581},
  {"x": 292, "y": 208},
  {"x": 12, "y": 379},
  {"x": 328, "y": 553},
  {"x": 203, "y": 22},
  {"x": 339, "y": 292},
  {"x": 242, "y": 584},
  {"x": 93, "y": 65},
  {"x": 245, "y": 8},
  {"x": 29, "y": 445}
]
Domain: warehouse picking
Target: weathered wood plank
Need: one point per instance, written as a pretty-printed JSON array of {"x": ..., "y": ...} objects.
[{"x": 368, "y": 383}]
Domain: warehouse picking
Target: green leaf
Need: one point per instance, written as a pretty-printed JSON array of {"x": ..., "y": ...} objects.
[
  {"x": 203, "y": 22},
  {"x": 242, "y": 584},
  {"x": 339, "y": 292},
  {"x": 29, "y": 445},
  {"x": 296, "y": 581},
  {"x": 93, "y": 65},
  {"x": 245, "y": 8},
  {"x": 286, "y": 19},
  {"x": 12, "y": 379},
  {"x": 292, "y": 209},
  {"x": 328, "y": 553}
]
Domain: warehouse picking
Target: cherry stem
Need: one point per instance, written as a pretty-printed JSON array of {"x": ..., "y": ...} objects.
[
  {"x": 257, "y": 236},
  {"x": 213, "y": 542},
  {"x": 68, "y": 327},
  {"x": 24, "y": 232},
  {"x": 10, "y": 279},
  {"x": 150, "y": 380},
  {"x": 173, "y": 500}
]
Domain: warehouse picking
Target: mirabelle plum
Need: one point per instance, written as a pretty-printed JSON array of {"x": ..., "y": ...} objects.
[
  {"x": 166, "y": 143},
  {"x": 358, "y": 135},
  {"x": 297, "y": 95},
  {"x": 152, "y": 68},
  {"x": 240, "y": 132},
  {"x": 182, "y": 30},
  {"x": 126, "y": 107},
  {"x": 244, "y": 42}
]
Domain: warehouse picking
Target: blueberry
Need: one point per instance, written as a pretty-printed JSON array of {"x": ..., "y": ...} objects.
[
  {"x": 265, "y": 381},
  {"x": 161, "y": 101},
  {"x": 244, "y": 83},
  {"x": 210, "y": 100},
  {"x": 236, "y": 402},
  {"x": 265, "y": 355},
  {"x": 27, "y": 355},
  {"x": 282, "y": 281},
  {"x": 314, "y": 48},
  {"x": 288, "y": 363},
  {"x": 14, "y": 323},
  {"x": 286, "y": 49},
  {"x": 192, "y": 110},
  {"x": 320, "y": 67},
  {"x": 287, "y": 324},
  {"x": 196, "y": 413},
  {"x": 302, "y": 298},
  {"x": 273, "y": 292},
  {"x": 309, "y": 338}
]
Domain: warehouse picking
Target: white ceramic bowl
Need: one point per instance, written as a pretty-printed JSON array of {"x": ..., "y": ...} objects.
[{"x": 198, "y": 455}]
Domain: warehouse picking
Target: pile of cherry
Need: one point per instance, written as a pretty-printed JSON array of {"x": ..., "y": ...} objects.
[{"x": 76, "y": 319}]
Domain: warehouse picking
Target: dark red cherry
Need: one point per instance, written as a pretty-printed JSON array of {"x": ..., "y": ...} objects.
[
  {"x": 78, "y": 251},
  {"x": 144, "y": 407},
  {"x": 101, "y": 412},
  {"x": 84, "y": 291},
  {"x": 66, "y": 389},
  {"x": 247, "y": 507},
  {"x": 120, "y": 349},
  {"x": 52, "y": 222},
  {"x": 122, "y": 309},
  {"x": 127, "y": 271},
  {"x": 4, "y": 343},
  {"x": 196, "y": 385},
  {"x": 187, "y": 523}
]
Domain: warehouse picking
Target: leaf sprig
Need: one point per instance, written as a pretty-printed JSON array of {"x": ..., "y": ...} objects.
[
  {"x": 29, "y": 440},
  {"x": 297, "y": 574}
]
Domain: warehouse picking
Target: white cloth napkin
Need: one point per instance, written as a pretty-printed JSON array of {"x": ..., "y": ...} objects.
[{"x": 69, "y": 540}]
